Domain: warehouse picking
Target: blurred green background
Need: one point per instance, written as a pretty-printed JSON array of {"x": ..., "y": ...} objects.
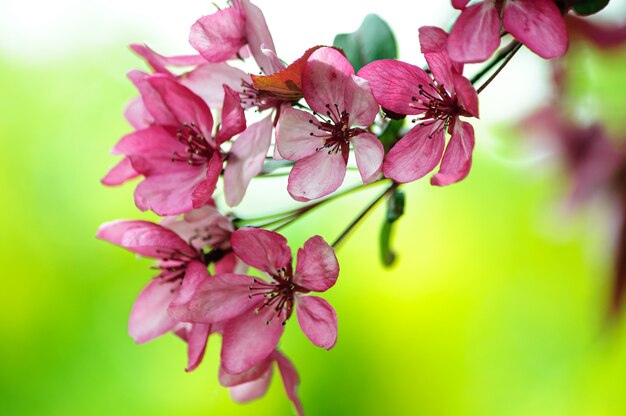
[{"x": 495, "y": 306}]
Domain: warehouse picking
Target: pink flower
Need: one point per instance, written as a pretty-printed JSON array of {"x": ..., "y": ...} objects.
[
  {"x": 538, "y": 24},
  {"x": 320, "y": 142},
  {"x": 253, "y": 384},
  {"x": 408, "y": 90},
  {"x": 254, "y": 311}
]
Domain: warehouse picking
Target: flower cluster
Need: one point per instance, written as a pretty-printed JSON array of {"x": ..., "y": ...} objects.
[{"x": 203, "y": 127}]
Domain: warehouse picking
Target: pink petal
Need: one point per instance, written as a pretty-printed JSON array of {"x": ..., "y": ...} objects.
[
  {"x": 415, "y": 154},
  {"x": 457, "y": 159},
  {"x": 196, "y": 275},
  {"x": 395, "y": 84},
  {"x": 262, "y": 249},
  {"x": 196, "y": 345},
  {"x": 233, "y": 118},
  {"x": 246, "y": 158},
  {"x": 459, "y": 4},
  {"x": 203, "y": 227},
  {"x": 318, "y": 321},
  {"x": 291, "y": 381},
  {"x": 144, "y": 238},
  {"x": 324, "y": 79},
  {"x": 476, "y": 33},
  {"x": 360, "y": 102},
  {"x": 216, "y": 299},
  {"x": 120, "y": 173},
  {"x": 295, "y": 134},
  {"x": 219, "y": 36},
  {"x": 159, "y": 62},
  {"x": 185, "y": 106},
  {"x": 149, "y": 318},
  {"x": 229, "y": 380},
  {"x": 252, "y": 390},
  {"x": 202, "y": 194},
  {"x": 248, "y": 340},
  {"x": 152, "y": 101},
  {"x": 433, "y": 39},
  {"x": 316, "y": 176},
  {"x": 228, "y": 264},
  {"x": 369, "y": 152},
  {"x": 259, "y": 38},
  {"x": 137, "y": 114},
  {"x": 168, "y": 193},
  {"x": 207, "y": 81},
  {"x": 538, "y": 24},
  {"x": 465, "y": 92},
  {"x": 317, "y": 268}
]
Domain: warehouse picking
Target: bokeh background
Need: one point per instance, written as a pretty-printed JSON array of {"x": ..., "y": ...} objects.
[{"x": 495, "y": 307}]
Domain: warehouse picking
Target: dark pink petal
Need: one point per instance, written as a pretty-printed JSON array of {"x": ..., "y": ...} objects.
[
  {"x": 395, "y": 84},
  {"x": 259, "y": 38},
  {"x": 293, "y": 134},
  {"x": 202, "y": 194},
  {"x": 185, "y": 106},
  {"x": 433, "y": 39},
  {"x": 196, "y": 275},
  {"x": 196, "y": 345},
  {"x": 229, "y": 380},
  {"x": 317, "y": 268},
  {"x": 249, "y": 339},
  {"x": 318, "y": 321},
  {"x": 246, "y": 158},
  {"x": 476, "y": 33},
  {"x": 360, "y": 102},
  {"x": 262, "y": 249},
  {"x": 219, "y": 36},
  {"x": 459, "y": 4},
  {"x": 144, "y": 238},
  {"x": 369, "y": 152},
  {"x": 252, "y": 390},
  {"x": 155, "y": 107},
  {"x": 457, "y": 159},
  {"x": 434, "y": 43},
  {"x": 228, "y": 264},
  {"x": 216, "y": 299},
  {"x": 120, "y": 173},
  {"x": 538, "y": 24},
  {"x": 291, "y": 381},
  {"x": 466, "y": 94},
  {"x": 233, "y": 118},
  {"x": 149, "y": 318},
  {"x": 324, "y": 79},
  {"x": 159, "y": 62},
  {"x": 168, "y": 193},
  {"x": 137, "y": 114},
  {"x": 416, "y": 154},
  {"x": 316, "y": 176},
  {"x": 207, "y": 81}
]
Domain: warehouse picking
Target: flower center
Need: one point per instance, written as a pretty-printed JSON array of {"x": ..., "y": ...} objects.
[
  {"x": 252, "y": 97},
  {"x": 278, "y": 295},
  {"x": 439, "y": 108},
  {"x": 198, "y": 151},
  {"x": 334, "y": 129},
  {"x": 173, "y": 264}
]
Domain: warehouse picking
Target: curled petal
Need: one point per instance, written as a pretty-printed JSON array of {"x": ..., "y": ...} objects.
[
  {"x": 317, "y": 268},
  {"x": 318, "y": 321},
  {"x": 262, "y": 249},
  {"x": 196, "y": 345},
  {"x": 202, "y": 194},
  {"x": 120, "y": 173},
  {"x": 233, "y": 117},
  {"x": 476, "y": 34},
  {"x": 259, "y": 38},
  {"x": 219, "y": 36},
  {"x": 291, "y": 381},
  {"x": 229, "y": 380},
  {"x": 457, "y": 158},
  {"x": 416, "y": 154},
  {"x": 465, "y": 92},
  {"x": 149, "y": 318},
  {"x": 159, "y": 63},
  {"x": 252, "y": 390},
  {"x": 369, "y": 153},
  {"x": 317, "y": 175},
  {"x": 324, "y": 79}
]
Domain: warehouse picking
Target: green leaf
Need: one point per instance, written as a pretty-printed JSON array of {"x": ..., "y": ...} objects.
[
  {"x": 395, "y": 209},
  {"x": 390, "y": 135},
  {"x": 587, "y": 7},
  {"x": 372, "y": 41}
]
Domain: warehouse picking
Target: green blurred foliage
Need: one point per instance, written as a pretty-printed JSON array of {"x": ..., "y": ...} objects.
[{"x": 490, "y": 310}]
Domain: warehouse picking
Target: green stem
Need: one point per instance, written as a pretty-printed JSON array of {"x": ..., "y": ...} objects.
[{"x": 501, "y": 55}]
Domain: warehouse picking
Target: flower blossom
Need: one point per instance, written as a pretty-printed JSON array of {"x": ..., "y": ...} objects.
[
  {"x": 439, "y": 102},
  {"x": 254, "y": 311},
  {"x": 343, "y": 106},
  {"x": 538, "y": 24}
]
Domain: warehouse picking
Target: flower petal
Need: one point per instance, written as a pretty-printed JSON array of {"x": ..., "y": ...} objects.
[
  {"x": 137, "y": 114},
  {"x": 318, "y": 320},
  {"x": 395, "y": 84},
  {"x": 168, "y": 193},
  {"x": 159, "y": 63},
  {"x": 262, "y": 249},
  {"x": 252, "y": 390},
  {"x": 229, "y": 380},
  {"x": 369, "y": 153},
  {"x": 291, "y": 381},
  {"x": 248, "y": 340},
  {"x": 259, "y": 38},
  {"x": 317, "y": 175},
  {"x": 152, "y": 101},
  {"x": 538, "y": 24},
  {"x": 317, "y": 268},
  {"x": 219, "y": 36},
  {"x": 233, "y": 118},
  {"x": 148, "y": 317},
  {"x": 246, "y": 158},
  {"x": 196, "y": 345},
  {"x": 476, "y": 33},
  {"x": 360, "y": 102},
  {"x": 466, "y": 94},
  {"x": 207, "y": 81},
  {"x": 416, "y": 154},
  {"x": 296, "y": 134},
  {"x": 457, "y": 158},
  {"x": 144, "y": 238},
  {"x": 120, "y": 173},
  {"x": 459, "y": 4},
  {"x": 324, "y": 79},
  {"x": 202, "y": 194}
]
